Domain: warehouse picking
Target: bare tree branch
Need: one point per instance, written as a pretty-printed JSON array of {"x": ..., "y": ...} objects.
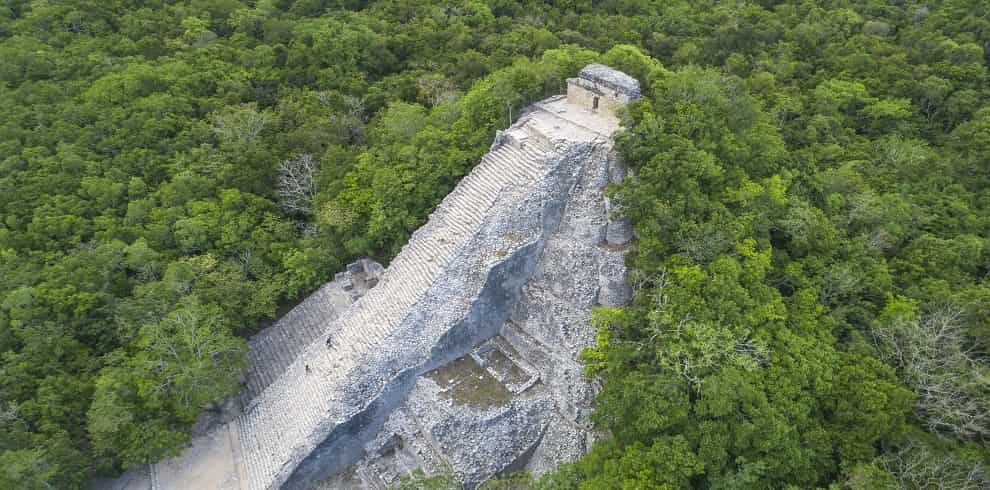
[
  {"x": 936, "y": 360},
  {"x": 918, "y": 467},
  {"x": 296, "y": 186}
]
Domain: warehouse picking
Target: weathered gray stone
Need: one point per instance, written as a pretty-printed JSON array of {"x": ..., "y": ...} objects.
[
  {"x": 616, "y": 170},
  {"x": 619, "y": 230},
  {"x": 611, "y": 78},
  {"x": 601, "y": 90},
  {"x": 614, "y": 288},
  {"x": 373, "y": 269},
  {"x": 355, "y": 268}
]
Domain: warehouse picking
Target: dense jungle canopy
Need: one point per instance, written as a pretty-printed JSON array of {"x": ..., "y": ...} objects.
[{"x": 811, "y": 199}]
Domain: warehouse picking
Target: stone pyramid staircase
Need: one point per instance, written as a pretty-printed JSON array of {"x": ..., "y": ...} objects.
[
  {"x": 275, "y": 428},
  {"x": 328, "y": 358}
]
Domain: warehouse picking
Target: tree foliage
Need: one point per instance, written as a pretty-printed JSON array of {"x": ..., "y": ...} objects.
[
  {"x": 809, "y": 193},
  {"x": 809, "y": 261}
]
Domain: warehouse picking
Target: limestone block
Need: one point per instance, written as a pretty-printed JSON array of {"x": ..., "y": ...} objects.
[
  {"x": 355, "y": 268},
  {"x": 618, "y": 232},
  {"x": 498, "y": 141},
  {"x": 613, "y": 281},
  {"x": 616, "y": 171},
  {"x": 373, "y": 272}
]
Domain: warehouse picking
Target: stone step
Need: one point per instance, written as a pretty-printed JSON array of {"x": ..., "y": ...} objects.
[
  {"x": 374, "y": 332},
  {"x": 465, "y": 209},
  {"x": 315, "y": 329},
  {"x": 484, "y": 180},
  {"x": 153, "y": 476},
  {"x": 274, "y": 341},
  {"x": 478, "y": 193},
  {"x": 530, "y": 157},
  {"x": 273, "y": 350},
  {"x": 530, "y": 162},
  {"x": 256, "y": 378},
  {"x": 317, "y": 325},
  {"x": 278, "y": 351},
  {"x": 527, "y": 155},
  {"x": 507, "y": 160},
  {"x": 249, "y": 457},
  {"x": 517, "y": 175},
  {"x": 368, "y": 337},
  {"x": 492, "y": 185},
  {"x": 508, "y": 165},
  {"x": 253, "y": 385},
  {"x": 475, "y": 190}
]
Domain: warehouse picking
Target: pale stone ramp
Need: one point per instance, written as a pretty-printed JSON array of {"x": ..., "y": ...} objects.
[{"x": 272, "y": 351}]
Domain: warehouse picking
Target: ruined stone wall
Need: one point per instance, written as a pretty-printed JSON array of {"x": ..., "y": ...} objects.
[{"x": 582, "y": 92}]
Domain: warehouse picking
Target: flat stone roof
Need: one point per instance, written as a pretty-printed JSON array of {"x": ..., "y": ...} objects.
[{"x": 611, "y": 77}]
